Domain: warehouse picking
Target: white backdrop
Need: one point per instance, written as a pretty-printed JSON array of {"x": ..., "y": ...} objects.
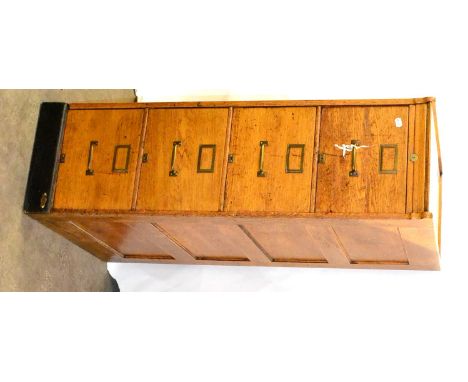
[
  {"x": 345, "y": 325},
  {"x": 324, "y": 51}
]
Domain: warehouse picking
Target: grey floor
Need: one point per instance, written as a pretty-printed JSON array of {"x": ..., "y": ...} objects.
[{"x": 33, "y": 258}]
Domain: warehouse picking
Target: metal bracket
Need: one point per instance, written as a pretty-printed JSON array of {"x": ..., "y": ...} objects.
[{"x": 321, "y": 158}]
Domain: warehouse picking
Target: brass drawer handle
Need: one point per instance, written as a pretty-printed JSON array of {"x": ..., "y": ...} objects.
[
  {"x": 260, "y": 172},
  {"x": 353, "y": 147},
  {"x": 92, "y": 145},
  {"x": 353, "y": 171},
  {"x": 175, "y": 144}
]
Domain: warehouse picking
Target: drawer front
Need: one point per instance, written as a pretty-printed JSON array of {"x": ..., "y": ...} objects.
[
  {"x": 371, "y": 177},
  {"x": 271, "y": 167},
  {"x": 99, "y": 155},
  {"x": 184, "y": 155}
]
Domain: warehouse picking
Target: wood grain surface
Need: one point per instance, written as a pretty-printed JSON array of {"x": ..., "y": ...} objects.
[
  {"x": 105, "y": 190},
  {"x": 189, "y": 190},
  {"x": 306, "y": 211},
  {"x": 371, "y": 191},
  {"x": 277, "y": 190},
  {"x": 267, "y": 103},
  {"x": 304, "y": 242}
]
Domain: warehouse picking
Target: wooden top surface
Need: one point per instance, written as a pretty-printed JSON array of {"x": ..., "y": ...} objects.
[{"x": 269, "y": 103}]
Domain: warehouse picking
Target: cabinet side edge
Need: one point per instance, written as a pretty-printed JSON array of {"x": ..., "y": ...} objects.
[{"x": 45, "y": 157}]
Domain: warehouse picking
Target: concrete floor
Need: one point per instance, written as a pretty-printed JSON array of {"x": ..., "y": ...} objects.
[{"x": 33, "y": 258}]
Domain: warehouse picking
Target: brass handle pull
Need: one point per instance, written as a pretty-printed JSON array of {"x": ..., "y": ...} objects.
[
  {"x": 353, "y": 171},
  {"x": 175, "y": 144},
  {"x": 353, "y": 147},
  {"x": 92, "y": 145},
  {"x": 260, "y": 172}
]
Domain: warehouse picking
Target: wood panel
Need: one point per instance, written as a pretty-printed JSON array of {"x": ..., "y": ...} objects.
[
  {"x": 370, "y": 244},
  {"x": 135, "y": 240},
  {"x": 410, "y": 169},
  {"x": 420, "y": 246},
  {"x": 304, "y": 242},
  {"x": 278, "y": 189},
  {"x": 106, "y": 188},
  {"x": 213, "y": 239},
  {"x": 375, "y": 190},
  {"x": 347, "y": 243},
  {"x": 194, "y": 187},
  {"x": 77, "y": 236},
  {"x": 419, "y": 166},
  {"x": 295, "y": 242},
  {"x": 263, "y": 103}
]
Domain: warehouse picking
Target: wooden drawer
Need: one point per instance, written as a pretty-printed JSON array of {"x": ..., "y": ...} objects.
[
  {"x": 99, "y": 160},
  {"x": 184, "y": 154},
  {"x": 276, "y": 183},
  {"x": 272, "y": 156},
  {"x": 376, "y": 183}
]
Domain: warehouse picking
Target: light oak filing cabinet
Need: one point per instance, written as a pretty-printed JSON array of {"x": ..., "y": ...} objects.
[{"x": 283, "y": 183}]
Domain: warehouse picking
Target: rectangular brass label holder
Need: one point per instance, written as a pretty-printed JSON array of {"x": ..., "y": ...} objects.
[
  {"x": 213, "y": 157},
  {"x": 127, "y": 159},
  {"x": 393, "y": 170},
  {"x": 290, "y": 170}
]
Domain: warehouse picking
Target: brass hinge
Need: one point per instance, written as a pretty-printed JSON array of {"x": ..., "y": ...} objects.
[
  {"x": 231, "y": 158},
  {"x": 144, "y": 159},
  {"x": 62, "y": 158},
  {"x": 321, "y": 158}
]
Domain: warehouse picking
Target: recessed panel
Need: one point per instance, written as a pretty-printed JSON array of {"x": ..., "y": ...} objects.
[
  {"x": 368, "y": 244},
  {"x": 290, "y": 242},
  {"x": 135, "y": 240},
  {"x": 208, "y": 240}
]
